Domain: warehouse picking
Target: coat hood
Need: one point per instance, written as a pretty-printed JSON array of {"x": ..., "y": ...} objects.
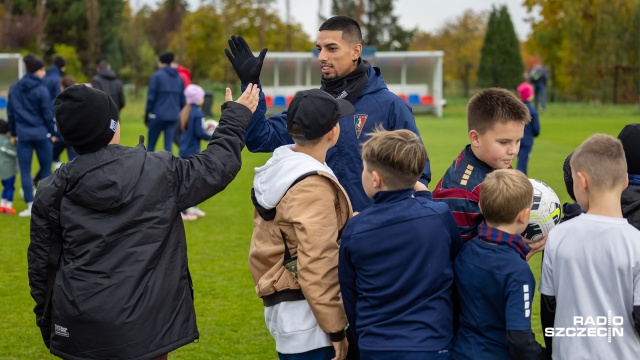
[
  {"x": 170, "y": 71},
  {"x": 273, "y": 179},
  {"x": 29, "y": 82},
  {"x": 631, "y": 201},
  {"x": 107, "y": 74},
  {"x": 376, "y": 81},
  {"x": 90, "y": 181}
]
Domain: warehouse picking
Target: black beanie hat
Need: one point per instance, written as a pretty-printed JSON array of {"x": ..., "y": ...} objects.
[
  {"x": 59, "y": 62},
  {"x": 568, "y": 178},
  {"x": 87, "y": 118},
  {"x": 166, "y": 58},
  {"x": 630, "y": 138},
  {"x": 32, "y": 63}
]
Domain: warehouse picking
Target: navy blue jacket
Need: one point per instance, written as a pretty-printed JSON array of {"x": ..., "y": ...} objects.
[
  {"x": 190, "y": 138},
  {"x": 165, "y": 96},
  {"x": 396, "y": 272},
  {"x": 51, "y": 82},
  {"x": 375, "y": 105},
  {"x": 29, "y": 109},
  {"x": 532, "y": 129}
]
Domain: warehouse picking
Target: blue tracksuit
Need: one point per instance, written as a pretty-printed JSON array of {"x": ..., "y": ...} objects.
[
  {"x": 51, "y": 81},
  {"x": 376, "y": 105},
  {"x": 396, "y": 275},
  {"x": 190, "y": 138},
  {"x": 531, "y": 130},
  {"x": 165, "y": 98},
  {"x": 31, "y": 119}
]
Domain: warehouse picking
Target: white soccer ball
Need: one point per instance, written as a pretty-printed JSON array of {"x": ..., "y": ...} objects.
[
  {"x": 210, "y": 126},
  {"x": 545, "y": 212}
]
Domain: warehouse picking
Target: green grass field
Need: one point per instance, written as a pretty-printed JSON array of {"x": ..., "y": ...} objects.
[{"x": 230, "y": 316}]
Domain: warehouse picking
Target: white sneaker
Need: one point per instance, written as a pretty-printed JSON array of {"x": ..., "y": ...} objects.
[
  {"x": 188, "y": 217},
  {"x": 195, "y": 211},
  {"x": 25, "y": 213}
]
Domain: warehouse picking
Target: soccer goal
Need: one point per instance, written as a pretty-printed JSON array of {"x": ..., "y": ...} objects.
[
  {"x": 11, "y": 70},
  {"x": 415, "y": 76}
]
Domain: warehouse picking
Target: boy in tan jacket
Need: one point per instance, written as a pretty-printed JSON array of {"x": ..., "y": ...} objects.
[{"x": 300, "y": 212}]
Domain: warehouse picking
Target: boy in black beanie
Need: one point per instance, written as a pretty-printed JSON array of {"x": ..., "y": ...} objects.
[
  {"x": 123, "y": 288},
  {"x": 630, "y": 138}
]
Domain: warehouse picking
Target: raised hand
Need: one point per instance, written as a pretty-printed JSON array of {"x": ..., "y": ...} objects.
[
  {"x": 249, "y": 97},
  {"x": 246, "y": 65}
]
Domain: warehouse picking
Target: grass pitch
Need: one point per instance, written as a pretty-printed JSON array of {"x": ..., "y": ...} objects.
[{"x": 230, "y": 315}]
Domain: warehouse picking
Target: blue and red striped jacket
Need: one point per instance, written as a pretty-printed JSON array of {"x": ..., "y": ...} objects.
[{"x": 460, "y": 189}]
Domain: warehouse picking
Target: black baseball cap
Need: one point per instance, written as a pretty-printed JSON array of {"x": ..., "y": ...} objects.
[{"x": 316, "y": 112}]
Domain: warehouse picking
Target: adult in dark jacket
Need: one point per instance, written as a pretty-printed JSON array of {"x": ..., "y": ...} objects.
[
  {"x": 344, "y": 75},
  {"x": 531, "y": 129},
  {"x": 630, "y": 138},
  {"x": 107, "y": 81},
  {"x": 122, "y": 288},
  {"x": 165, "y": 98},
  {"x": 538, "y": 77},
  {"x": 31, "y": 120}
]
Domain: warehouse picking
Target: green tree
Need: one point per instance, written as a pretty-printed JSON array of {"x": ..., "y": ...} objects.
[
  {"x": 138, "y": 56},
  {"x": 500, "y": 59}
]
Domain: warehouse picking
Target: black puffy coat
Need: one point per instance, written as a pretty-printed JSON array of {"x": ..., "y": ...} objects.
[
  {"x": 107, "y": 81},
  {"x": 123, "y": 288}
]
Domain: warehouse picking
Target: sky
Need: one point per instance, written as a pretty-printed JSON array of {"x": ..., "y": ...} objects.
[{"x": 427, "y": 15}]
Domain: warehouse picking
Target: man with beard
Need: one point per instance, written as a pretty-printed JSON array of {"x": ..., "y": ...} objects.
[{"x": 345, "y": 76}]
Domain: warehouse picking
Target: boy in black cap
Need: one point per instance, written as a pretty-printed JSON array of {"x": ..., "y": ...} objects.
[
  {"x": 31, "y": 121},
  {"x": 630, "y": 138},
  {"x": 122, "y": 287},
  {"x": 300, "y": 211},
  {"x": 165, "y": 99}
]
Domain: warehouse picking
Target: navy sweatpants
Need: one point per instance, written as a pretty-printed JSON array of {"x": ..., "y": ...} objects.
[
  {"x": 155, "y": 127},
  {"x": 44, "y": 152}
]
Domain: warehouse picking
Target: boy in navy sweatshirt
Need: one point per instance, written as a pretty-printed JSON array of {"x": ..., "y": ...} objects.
[
  {"x": 494, "y": 282},
  {"x": 396, "y": 257}
]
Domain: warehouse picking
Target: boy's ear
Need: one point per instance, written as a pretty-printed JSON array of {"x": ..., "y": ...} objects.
[
  {"x": 473, "y": 137},
  {"x": 523, "y": 216},
  {"x": 583, "y": 181},
  {"x": 333, "y": 133},
  {"x": 377, "y": 180}
]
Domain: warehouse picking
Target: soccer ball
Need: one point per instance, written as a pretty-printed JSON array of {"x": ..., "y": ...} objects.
[
  {"x": 210, "y": 126},
  {"x": 545, "y": 212}
]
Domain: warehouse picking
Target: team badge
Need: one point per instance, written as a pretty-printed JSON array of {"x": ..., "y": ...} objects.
[{"x": 359, "y": 121}]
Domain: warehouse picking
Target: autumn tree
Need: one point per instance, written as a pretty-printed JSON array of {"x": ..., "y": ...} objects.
[
  {"x": 590, "y": 46},
  {"x": 461, "y": 40},
  {"x": 500, "y": 59}
]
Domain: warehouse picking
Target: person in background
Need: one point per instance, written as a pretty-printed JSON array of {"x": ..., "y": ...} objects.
[
  {"x": 8, "y": 168},
  {"x": 538, "y": 77},
  {"x": 107, "y": 81},
  {"x": 531, "y": 130},
  {"x": 51, "y": 80},
  {"x": 630, "y": 138}
]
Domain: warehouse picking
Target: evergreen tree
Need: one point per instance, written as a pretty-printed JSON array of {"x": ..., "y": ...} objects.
[{"x": 500, "y": 60}]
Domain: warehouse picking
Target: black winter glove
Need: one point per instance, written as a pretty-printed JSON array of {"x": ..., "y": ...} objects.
[{"x": 246, "y": 65}]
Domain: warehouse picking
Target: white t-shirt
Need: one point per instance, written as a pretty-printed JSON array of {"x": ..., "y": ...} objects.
[{"x": 592, "y": 266}]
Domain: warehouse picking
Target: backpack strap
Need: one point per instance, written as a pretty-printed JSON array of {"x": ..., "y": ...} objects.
[{"x": 56, "y": 245}]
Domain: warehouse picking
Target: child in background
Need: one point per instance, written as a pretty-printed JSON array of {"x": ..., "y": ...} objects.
[
  {"x": 591, "y": 265},
  {"x": 494, "y": 282},
  {"x": 192, "y": 132},
  {"x": 531, "y": 129},
  {"x": 630, "y": 138},
  {"x": 398, "y": 294},
  {"x": 8, "y": 168},
  {"x": 496, "y": 121}
]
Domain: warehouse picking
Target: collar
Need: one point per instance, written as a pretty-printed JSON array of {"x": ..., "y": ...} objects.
[
  {"x": 478, "y": 162},
  {"x": 392, "y": 196},
  {"x": 634, "y": 179},
  {"x": 499, "y": 237}
]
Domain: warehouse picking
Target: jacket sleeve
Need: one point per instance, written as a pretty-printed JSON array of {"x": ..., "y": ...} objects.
[
  {"x": 265, "y": 135},
  {"x": 206, "y": 174},
  {"x": 547, "y": 317},
  {"x": 347, "y": 277},
  {"x": 310, "y": 207},
  {"x": 465, "y": 209},
  {"x": 523, "y": 345},
  {"x": 535, "y": 122},
  {"x": 152, "y": 92},
  {"x": 47, "y": 111},
  {"x": 401, "y": 117},
  {"x": 38, "y": 251},
  {"x": 120, "y": 94}
]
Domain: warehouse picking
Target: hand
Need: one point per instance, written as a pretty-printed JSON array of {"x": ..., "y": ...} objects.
[
  {"x": 420, "y": 186},
  {"x": 246, "y": 65},
  {"x": 54, "y": 139},
  {"x": 536, "y": 247},
  {"x": 249, "y": 97},
  {"x": 146, "y": 119},
  {"x": 341, "y": 349}
]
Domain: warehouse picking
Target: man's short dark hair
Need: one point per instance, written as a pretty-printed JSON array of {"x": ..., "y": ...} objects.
[
  {"x": 495, "y": 105},
  {"x": 349, "y": 27}
]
